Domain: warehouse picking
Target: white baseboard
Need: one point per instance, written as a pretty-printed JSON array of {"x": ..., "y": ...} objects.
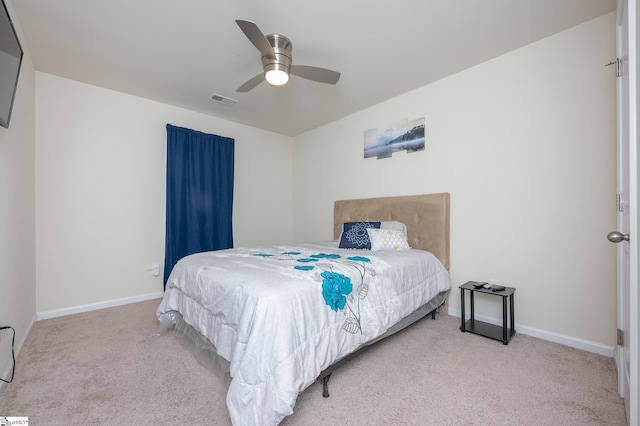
[
  {"x": 94, "y": 306},
  {"x": 573, "y": 342}
]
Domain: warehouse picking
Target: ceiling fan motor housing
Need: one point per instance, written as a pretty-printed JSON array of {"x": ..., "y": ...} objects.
[{"x": 282, "y": 54}]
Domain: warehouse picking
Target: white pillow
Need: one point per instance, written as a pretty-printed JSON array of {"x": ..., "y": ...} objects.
[
  {"x": 387, "y": 239},
  {"x": 394, "y": 224}
]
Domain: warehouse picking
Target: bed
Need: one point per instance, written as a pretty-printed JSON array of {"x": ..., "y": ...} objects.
[{"x": 282, "y": 317}]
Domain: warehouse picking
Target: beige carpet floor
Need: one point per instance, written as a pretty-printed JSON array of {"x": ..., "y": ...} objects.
[{"x": 111, "y": 367}]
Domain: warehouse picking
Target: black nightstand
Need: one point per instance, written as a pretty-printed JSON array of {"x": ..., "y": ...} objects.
[{"x": 482, "y": 328}]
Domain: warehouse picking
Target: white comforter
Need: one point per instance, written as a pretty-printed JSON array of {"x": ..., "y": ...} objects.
[{"x": 282, "y": 314}]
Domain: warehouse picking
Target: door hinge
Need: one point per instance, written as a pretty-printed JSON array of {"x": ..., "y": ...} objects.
[
  {"x": 620, "y": 338},
  {"x": 618, "y": 63},
  {"x": 619, "y": 203}
]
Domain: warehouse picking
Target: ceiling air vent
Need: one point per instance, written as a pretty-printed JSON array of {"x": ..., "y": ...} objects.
[{"x": 222, "y": 99}]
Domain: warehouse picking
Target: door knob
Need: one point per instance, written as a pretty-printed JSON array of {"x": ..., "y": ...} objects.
[{"x": 616, "y": 237}]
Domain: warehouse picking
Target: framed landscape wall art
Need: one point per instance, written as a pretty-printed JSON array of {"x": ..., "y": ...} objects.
[{"x": 403, "y": 135}]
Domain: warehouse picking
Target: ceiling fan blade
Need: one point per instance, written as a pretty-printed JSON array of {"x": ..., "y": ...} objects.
[
  {"x": 255, "y": 36},
  {"x": 251, "y": 83},
  {"x": 321, "y": 75}
]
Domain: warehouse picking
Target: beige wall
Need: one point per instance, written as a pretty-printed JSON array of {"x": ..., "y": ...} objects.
[
  {"x": 17, "y": 226},
  {"x": 100, "y": 186},
  {"x": 525, "y": 144}
]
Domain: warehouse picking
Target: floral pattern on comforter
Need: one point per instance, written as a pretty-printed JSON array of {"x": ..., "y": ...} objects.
[{"x": 337, "y": 287}]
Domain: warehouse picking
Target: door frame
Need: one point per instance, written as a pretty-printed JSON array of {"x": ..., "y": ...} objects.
[{"x": 630, "y": 121}]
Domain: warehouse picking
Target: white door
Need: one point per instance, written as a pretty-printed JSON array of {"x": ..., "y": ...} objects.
[{"x": 626, "y": 235}]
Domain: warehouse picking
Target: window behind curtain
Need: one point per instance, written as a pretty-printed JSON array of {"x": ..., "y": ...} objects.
[{"x": 199, "y": 194}]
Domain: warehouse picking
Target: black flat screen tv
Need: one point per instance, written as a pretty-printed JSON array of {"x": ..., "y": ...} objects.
[{"x": 10, "y": 61}]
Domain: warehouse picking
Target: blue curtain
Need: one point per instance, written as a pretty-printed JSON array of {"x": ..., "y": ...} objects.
[{"x": 199, "y": 194}]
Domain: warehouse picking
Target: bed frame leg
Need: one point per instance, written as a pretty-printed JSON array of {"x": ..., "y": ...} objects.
[
  {"x": 325, "y": 386},
  {"x": 434, "y": 312}
]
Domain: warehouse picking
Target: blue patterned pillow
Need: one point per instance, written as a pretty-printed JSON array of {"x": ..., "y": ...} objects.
[{"x": 355, "y": 236}]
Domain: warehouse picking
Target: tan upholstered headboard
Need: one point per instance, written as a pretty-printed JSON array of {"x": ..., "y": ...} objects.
[{"x": 426, "y": 217}]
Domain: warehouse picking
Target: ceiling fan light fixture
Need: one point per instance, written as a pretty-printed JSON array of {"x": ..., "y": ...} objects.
[
  {"x": 275, "y": 51},
  {"x": 276, "y": 77}
]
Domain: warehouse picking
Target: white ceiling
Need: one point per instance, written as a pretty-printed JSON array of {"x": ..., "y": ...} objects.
[{"x": 180, "y": 52}]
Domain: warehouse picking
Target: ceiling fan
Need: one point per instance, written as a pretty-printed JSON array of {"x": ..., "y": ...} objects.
[{"x": 277, "y": 60}]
